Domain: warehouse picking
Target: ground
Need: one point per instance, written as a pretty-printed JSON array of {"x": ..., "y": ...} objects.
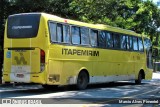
[{"x": 101, "y": 95}]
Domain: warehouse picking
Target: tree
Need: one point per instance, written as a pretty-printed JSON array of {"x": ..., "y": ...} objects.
[{"x": 139, "y": 16}]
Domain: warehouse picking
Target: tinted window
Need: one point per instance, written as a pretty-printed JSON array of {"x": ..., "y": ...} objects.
[
  {"x": 109, "y": 40},
  {"x": 93, "y": 36},
  {"x": 127, "y": 40},
  {"x": 135, "y": 43},
  {"x": 66, "y": 34},
  {"x": 23, "y": 25},
  {"x": 75, "y": 35},
  {"x": 123, "y": 42},
  {"x": 147, "y": 46},
  {"x": 147, "y": 43},
  {"x": 84, "y": 36},
  {"x": 131, "y": 43},
  {"x": 52, "y": 28},
  {"x": 140, "y": 44},
  {"x": 102, "y": 39},
  {"x": 59, "y": 32},
  {"x": 116, "y": 41}
]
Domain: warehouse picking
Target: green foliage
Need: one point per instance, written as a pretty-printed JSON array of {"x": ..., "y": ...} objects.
[
  {"x": 138, "y": 15},
  {"x": 142, "y": 17}
]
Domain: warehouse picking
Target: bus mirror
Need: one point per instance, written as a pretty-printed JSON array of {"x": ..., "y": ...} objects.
[{"x": 155, "y": 52}]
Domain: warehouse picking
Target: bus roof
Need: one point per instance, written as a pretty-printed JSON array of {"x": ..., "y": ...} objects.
[
  {"x": 93, "y": 26},
  {"x": 89, "y": 25}
]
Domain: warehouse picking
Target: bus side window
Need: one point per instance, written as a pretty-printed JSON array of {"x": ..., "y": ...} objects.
[
  {"x": 130, "y": 43},
  {"x": 66, "y": 34},
  {"x": 127, "y": 40},
  {"x": 52, "y": 29},
  {"x": 135, "y": 43},
  {"x": 116, "y": 41},
  {"x": 102, "y": 39},
  {"x": 59, "y": 33},
  {"x": 84, "y": 36},
  {"x": 140, "y": 45},
  {"x": 75, "y": 35},
  {"x": 147, "y": 43},
  {"x": 109, "y": 40},
  {"x": 123, "y": 42},
  {"x": 93, "y": 37}
]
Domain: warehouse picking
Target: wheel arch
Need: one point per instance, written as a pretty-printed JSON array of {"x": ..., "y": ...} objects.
[
  {"x": 143, "y": 73},
  {"x": 83, "y": 69}
]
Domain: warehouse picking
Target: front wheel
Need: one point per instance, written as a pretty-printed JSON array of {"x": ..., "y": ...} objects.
[
  {"x": 139, "y": 80},
  {"x": 82, "y": 80}
]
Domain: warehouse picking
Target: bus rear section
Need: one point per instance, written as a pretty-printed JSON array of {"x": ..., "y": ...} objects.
[{"x": 24, "y": 49}]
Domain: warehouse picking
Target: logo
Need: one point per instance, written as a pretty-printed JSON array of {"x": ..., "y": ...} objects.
[
  {"x": 22, "y": 27},
  {"x": 6, "y": 101},
  {"x": 20, "y": 60}
]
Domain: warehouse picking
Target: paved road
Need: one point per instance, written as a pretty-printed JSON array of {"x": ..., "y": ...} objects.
[{"x": 101, "y": 94}]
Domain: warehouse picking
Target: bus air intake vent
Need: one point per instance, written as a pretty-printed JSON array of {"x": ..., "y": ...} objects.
[{"x": 54, "y": 77}]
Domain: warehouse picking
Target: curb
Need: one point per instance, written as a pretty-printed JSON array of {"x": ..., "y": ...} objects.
[
  {"x": 15, "y": 84},
  {"x": 7, "y": 84}
]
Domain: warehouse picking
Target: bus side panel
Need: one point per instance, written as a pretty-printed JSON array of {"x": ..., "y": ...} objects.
[
  {"x": 54, "y": 72},
  {"x": 114, "y": 65},
  {"x": 63, "y": 72},
  {"x": 104, "y": 64},
  {"x": 148, "y": 74},
  {"x": 139, "y": 63},
  {"x": 64, "y": 67},
  {"x": 126, "y": 65},
  {"x": 72, "y": 68}
]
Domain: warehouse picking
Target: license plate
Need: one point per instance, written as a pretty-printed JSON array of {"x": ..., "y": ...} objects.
[{"x": 20, "y": 75}]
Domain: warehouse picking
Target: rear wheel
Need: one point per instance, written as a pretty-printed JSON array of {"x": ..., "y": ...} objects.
[
  {"x": 82, "y": 80},
  {"x": 139, "y": 80}
]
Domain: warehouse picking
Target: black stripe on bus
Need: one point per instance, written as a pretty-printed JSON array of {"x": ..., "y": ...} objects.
[{"x": 21, "y": 48}]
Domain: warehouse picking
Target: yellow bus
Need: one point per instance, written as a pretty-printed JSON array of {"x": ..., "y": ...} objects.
[{"x": 52, "y": 51}]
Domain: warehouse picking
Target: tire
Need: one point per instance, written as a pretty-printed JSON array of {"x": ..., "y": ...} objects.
[
  {"x": 50, "y": 87},
  {"x": 139, "y": 80},
  {"x": 82, "y": 80}
]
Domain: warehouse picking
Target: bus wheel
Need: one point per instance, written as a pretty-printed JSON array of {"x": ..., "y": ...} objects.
[
  {"x": 139, "y": 80},
  {"x": 50, "y": 87},
  {"x": 82, "y": 80}
]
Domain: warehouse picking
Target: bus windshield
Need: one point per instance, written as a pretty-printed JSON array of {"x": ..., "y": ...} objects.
[
  {"x": 23, "y": 25},
  {"x": 148, "y": 47}
]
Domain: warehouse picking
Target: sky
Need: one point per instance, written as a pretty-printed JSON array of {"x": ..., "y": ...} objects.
[{"x": 157, "y": 2}]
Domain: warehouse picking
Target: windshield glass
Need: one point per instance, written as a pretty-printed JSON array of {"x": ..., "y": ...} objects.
[
  {"x": 148, "y": 47},
  {"x": 23, "y": 25}
]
